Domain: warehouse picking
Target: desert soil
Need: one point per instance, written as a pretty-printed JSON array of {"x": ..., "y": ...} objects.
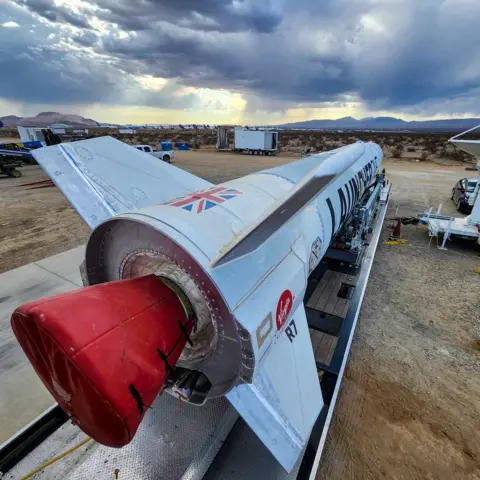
[
  {"x": 38, "y": 222},
  {"x": 409, "y": 406}
]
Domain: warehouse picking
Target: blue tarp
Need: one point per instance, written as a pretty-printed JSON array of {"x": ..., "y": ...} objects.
[
  {"x": 35, "y": 144},
  {"x": 183, "y": 146}
]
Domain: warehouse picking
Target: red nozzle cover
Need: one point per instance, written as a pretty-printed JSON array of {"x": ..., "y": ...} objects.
[{"x": 104, "y": 352}]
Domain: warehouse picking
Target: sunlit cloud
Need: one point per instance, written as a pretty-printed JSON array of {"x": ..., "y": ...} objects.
[{"x": 251, "y": 62}]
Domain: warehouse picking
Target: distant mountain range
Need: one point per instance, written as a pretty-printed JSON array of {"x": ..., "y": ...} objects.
[
  {"x": 387, "y": 123},
  {"x": 46, "y": 119}
]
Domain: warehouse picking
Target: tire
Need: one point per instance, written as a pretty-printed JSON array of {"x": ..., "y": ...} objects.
[
  {"x": 255, "y": 152},
  {"x": 453, "y": 193},
  {"x": 166, "y": 158},
  {"x": 15, "y": 173},
  {"x": 459, "y": 206},
  {"x": 250, "y": 152}
]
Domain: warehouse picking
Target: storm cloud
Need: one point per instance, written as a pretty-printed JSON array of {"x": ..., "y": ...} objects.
[{"x": 387, "y": 54}]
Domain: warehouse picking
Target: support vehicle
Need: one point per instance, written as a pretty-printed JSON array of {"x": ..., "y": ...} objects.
[
  {"x": 165, "y": 155},
  {"x": 9, "y": 166},
  {"x": 463, "y": 194},
  {"x": 466, "y": 195}
]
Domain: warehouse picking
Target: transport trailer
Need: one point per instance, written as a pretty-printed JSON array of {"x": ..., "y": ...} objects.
[
  {"x": 256, "y": 142},
  {"x": 183, "y": 441},
  {"x": 253, "y": 142}
]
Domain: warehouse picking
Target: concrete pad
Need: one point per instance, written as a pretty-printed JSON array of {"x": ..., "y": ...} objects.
[
  {"x": 22, "y": 395},
  {"x": 65, "y": 264}
]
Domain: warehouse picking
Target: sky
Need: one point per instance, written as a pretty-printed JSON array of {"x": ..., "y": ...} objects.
[{"x": 240, "y": 61}]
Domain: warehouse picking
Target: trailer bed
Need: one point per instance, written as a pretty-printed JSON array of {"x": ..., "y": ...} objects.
[{"x": 176, "y": 442}]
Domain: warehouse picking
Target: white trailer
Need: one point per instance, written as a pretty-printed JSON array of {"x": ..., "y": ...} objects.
[
  {"x": 256, "y": 142},
  {"x": 31, "y": 134},
  {"x": 464, "y": 227}
]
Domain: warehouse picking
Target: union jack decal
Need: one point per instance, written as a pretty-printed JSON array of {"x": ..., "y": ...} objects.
[{"x": 198, "y": 202}]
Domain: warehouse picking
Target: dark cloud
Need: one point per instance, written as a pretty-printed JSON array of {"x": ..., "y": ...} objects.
[
  {"x": 389, "y": 54},
  {"x": 86, "y": 39},
  {"x": 211, "y": 15},
  {"x": 55, "y": 13},
  {"x": 37, "y": 67}
]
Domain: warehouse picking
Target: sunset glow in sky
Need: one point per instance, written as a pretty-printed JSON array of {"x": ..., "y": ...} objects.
[{"x": 240, "y": 61}]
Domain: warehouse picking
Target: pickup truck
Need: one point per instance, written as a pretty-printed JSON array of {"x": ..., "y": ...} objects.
[{"x": 165, "y": 155}]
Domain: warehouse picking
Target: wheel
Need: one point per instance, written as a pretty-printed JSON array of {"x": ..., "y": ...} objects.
[
  {"x": 459, "y": 206},
  {"x": 255, "y": 152},
  {"x": 166, "y": 158},
  {"x": 250, "y": 152},
  {"x": 453, "y": 193},
  {"x": 15, "y": 173}
]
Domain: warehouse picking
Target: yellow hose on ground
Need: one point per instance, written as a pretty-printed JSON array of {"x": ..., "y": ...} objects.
[{"x": 55, "y": 459}]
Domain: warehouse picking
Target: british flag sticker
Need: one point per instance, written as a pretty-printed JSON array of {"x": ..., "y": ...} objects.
[{"x": 198, "y": 202}]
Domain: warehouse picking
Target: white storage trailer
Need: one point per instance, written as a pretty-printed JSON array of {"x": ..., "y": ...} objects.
[{"x": 256, "y": 142}]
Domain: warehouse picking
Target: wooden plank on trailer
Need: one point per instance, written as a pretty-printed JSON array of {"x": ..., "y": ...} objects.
[
  {"x": 319, "y": 290},
  {"x": 316, "y": 338},
  {"x": 332, "y": 350},
  {"x": 323, "y": 350},
  {"x": 332, "y": 300},
  {"x": 324, "y": 297},
  {"x": 339, "y": 309}
]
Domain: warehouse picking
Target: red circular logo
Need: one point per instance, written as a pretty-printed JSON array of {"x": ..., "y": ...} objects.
[{"x": 283, "y": 308}]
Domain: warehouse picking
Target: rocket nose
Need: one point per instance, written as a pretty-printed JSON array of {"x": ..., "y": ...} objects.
[{"x": 378, "y": 153}]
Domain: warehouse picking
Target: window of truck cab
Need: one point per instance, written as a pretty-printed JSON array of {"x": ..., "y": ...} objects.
[{"x": 471, "y": 186}]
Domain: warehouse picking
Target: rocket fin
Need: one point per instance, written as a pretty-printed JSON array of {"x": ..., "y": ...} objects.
[
  {"x": 284, "y": 399},
  {"x": 302, "y": 193},
  {"x": 103, "y": 177},
  {"x": 272, "y": 220}
]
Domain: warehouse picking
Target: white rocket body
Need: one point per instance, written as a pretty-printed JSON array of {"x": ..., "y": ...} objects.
[{"x": 241, "y": 252}]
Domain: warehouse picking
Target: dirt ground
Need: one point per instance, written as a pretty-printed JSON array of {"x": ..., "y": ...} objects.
[
  {"x": 409, "y": 407},
  {"x": 37, "y": 223}
]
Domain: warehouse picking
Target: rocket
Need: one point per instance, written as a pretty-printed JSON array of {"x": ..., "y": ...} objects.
[{"x": 191, "y": 288}]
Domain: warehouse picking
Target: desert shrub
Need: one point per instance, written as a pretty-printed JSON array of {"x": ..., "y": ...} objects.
[
  {"x": 411, "y": 149},
  {"x": 458, "y": 155},
  {"x": 397, "y": 151},
  {"x": 424, "y": 156}
]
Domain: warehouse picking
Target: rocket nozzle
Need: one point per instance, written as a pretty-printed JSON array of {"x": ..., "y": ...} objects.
[{"x": 105, "y": 352}]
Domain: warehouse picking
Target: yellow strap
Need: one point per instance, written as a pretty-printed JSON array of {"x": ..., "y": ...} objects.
[{"x": 55, "y": 459}]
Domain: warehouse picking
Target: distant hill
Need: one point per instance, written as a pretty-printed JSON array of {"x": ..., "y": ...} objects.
[
  {"x": 46, "y": 119},
  {"x": 387, "y": 123}
]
